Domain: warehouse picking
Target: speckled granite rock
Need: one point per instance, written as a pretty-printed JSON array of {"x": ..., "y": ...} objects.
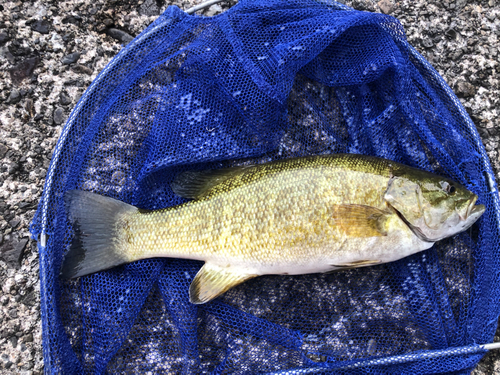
[{"x": 50, "y": 51}]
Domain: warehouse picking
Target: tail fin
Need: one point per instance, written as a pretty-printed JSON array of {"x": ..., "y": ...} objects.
[{"x": 97, "y": 244}]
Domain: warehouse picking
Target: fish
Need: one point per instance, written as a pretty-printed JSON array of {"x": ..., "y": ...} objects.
[{"x": 305, "y": 215}]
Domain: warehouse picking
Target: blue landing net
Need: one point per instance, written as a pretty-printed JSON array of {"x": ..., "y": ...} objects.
[{"x": 267, "y": 80}]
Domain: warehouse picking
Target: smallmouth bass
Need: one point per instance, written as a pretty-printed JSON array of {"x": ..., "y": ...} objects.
[{"x": 297, "y": 216}]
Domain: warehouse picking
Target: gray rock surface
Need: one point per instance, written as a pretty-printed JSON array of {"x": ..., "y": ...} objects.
[
  {"x": 58, "y": 116},
  {"x": 120, "y": 35},
  {"x": 460, "y": 38},
  {"x": 70, "y": 58}
]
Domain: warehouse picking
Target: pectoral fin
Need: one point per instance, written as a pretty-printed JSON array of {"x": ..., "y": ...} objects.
[
  {"x": 212, "y": 280},
  {"x": 357, "y": 220}
]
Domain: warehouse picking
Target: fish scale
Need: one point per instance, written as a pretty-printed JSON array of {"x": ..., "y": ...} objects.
[
  {"x": 286, "y": 201},
  {"x": 294, "y": 216}
]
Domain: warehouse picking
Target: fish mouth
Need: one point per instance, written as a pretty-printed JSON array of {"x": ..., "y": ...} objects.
[
  {"x": 471, "y": 207},
  {"x": 473, "y": 210},
  {"x": 477, "y": 211}
]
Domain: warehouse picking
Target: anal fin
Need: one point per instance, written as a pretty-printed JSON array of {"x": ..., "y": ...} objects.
[{"x": 213, "y": 280}]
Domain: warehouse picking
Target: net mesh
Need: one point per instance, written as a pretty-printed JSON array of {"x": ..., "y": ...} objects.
[{"x": 266, "y": 80}]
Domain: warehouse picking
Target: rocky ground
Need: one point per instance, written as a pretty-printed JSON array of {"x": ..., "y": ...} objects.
[{"x": 50, "y": 51}]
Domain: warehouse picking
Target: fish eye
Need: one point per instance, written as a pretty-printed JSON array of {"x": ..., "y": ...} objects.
[{"x": 448, "y": 188}]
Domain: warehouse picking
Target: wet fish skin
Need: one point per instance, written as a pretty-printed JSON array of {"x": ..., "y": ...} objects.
[{"x": 295, "y": 216}]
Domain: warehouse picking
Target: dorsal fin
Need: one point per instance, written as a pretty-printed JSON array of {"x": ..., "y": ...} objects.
[{"x": 196, "y": 184}]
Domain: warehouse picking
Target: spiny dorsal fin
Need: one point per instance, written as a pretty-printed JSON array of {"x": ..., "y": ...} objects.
[
  {"x": 357, "y": 220},
  {"x": 195, "y": 184},
  {"x": 212, "y": 280}
]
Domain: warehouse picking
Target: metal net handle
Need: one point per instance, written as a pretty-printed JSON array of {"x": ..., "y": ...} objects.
[
  {"x": 203, "y": 5},
  {"x": 398, "y": 359}
]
